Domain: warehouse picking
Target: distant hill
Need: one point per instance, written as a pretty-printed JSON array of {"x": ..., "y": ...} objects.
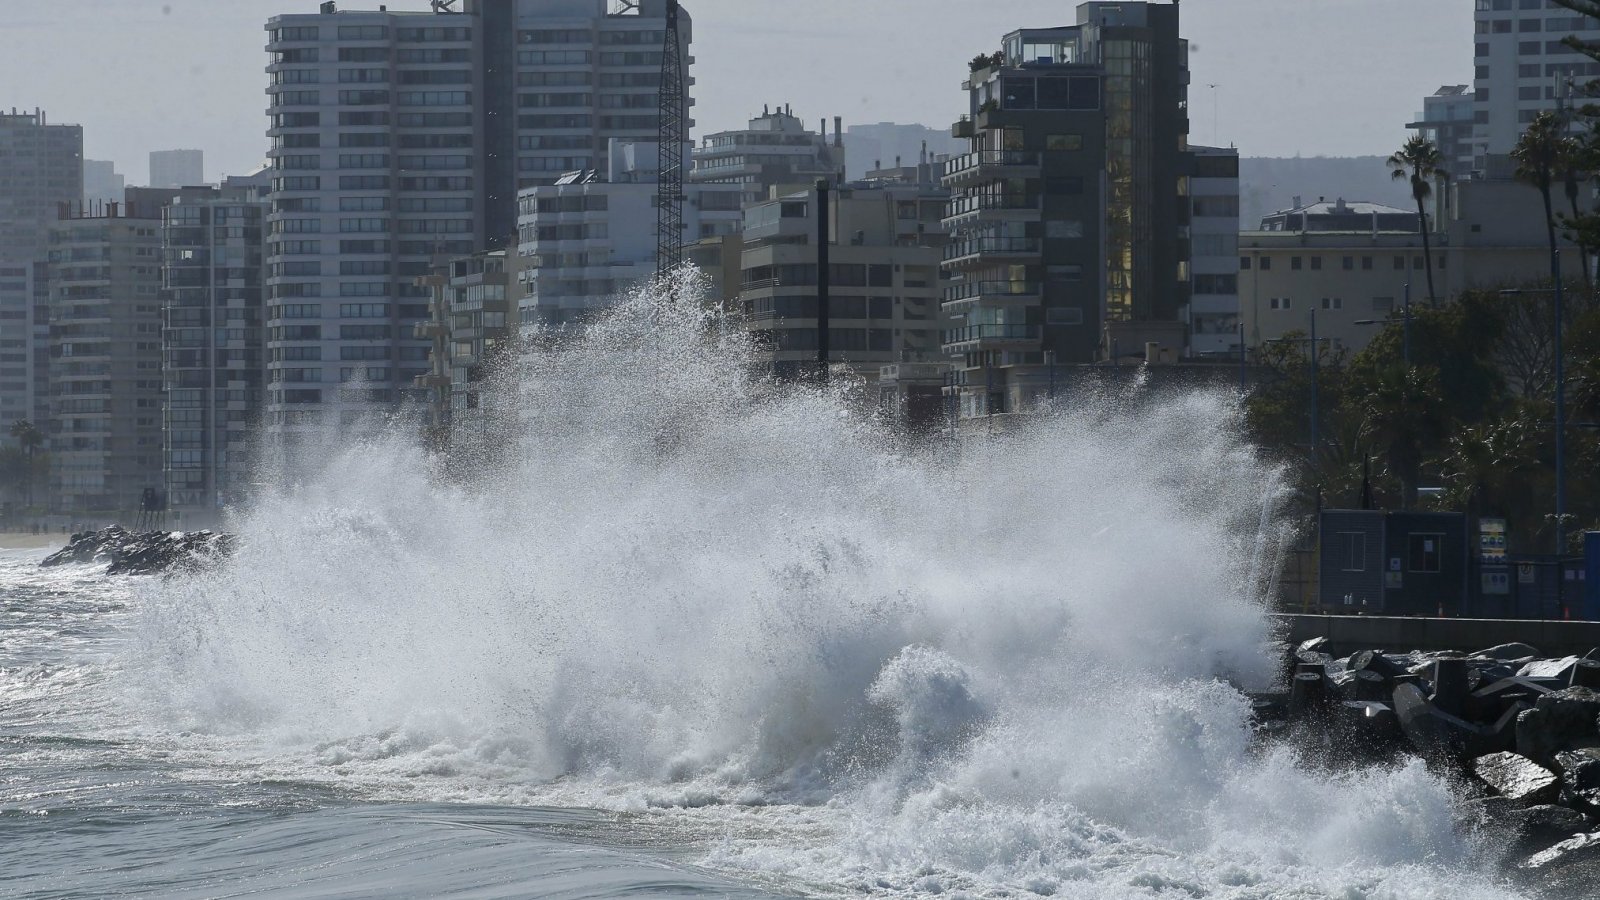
[{"x": 1268, "y": 184}]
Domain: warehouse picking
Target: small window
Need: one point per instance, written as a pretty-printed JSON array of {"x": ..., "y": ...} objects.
[
  {"x": 1349, "y": 263},
  {"x": 1294, "y": 263},
  {"x": 1063, "y": 142},
  {"x": 1316, "y": 263},
  {"x": 1354, "y": 544},
  {"x": 1244, "y": 263},
  {"x": 1399, "y": 263},
  {"x": 1425, "y": 550},
  {"x": 1266, "y": 264},
  {"x": 1366, "y": 264}
]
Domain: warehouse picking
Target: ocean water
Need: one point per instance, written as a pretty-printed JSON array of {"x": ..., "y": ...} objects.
[{"x": 668, "y": 631}]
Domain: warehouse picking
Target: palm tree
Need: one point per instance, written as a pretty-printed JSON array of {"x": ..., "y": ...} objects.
[
  {"x": 1538, "y": 154},
  {"x": 29, "y": 440},
  {"x": 1419, "y": 160}
]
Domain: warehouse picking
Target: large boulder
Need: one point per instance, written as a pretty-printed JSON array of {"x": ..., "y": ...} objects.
[
  {"x": 1521, "y": 830},
  {"x": 91, "y": 546},
  {"x": 1569, "y": 869},
  {"x": 1510, "y": 653},
  {"x": 1517, "y": 778},
  {"x": 1558, "y": 721},
  {"x": 161, "y": 551},
  {"x": 1580, "y": 778},
  {"x": 1437, "y": 734}
]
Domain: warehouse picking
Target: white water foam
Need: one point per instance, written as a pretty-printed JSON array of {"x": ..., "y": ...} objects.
[{"x": 840, "y": 659}]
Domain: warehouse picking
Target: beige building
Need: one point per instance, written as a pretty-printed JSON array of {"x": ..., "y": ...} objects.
[{"x": 1493, "y": 236}]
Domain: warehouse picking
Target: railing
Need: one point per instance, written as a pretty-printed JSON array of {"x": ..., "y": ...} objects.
[
  {"x": 991, "y": 333},
  {"x": 966, "y": 290},
  {"x": 992, "y": 245},
  {"x": 990, "y": 158},
  {"x": 960, "y": 206}
]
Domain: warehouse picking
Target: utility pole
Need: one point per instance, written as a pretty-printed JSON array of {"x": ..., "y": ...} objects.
[
  {"x": 1561, "y": 437},
  {"x": 824, "y": 273}
]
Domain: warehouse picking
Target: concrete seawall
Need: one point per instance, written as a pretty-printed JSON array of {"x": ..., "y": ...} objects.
[{"x": 1349, "y": 634}]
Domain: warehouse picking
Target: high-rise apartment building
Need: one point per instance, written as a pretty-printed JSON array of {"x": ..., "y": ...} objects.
[
  {"x": 1446, "y": 120},
  {"x": 775, "y": 150},
  {"x": 177, "y": 168},
  {"x": 402, "y": 136},
  {"x": 884, "y": 145},
  {"x": 591, "y": 236},
  {"x": 212, "y": 279},
  {"x": 105, "y": 360},
  {"x": 884, "y": 252},
  {"x": 41, "y": 172},
  {"x": 1069, "y": 211},
  {"x": 102, "y": 183},
  {"x": 1522, "y": 67},
  {"x": 1213, "y": 194}
]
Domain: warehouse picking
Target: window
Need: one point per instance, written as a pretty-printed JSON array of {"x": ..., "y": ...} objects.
[
  {"x": 1556, "y": 47},
  {"x": 1366, "y": 264},
  {"x": 1281, "y": 303},
  {"x": 1529, "y": 93},
  {"x": 1528, "y": 25},
  {"x": 1526, "y": 70},
  {"x": 1354, "y": 545},
  {"x": 1063, "y": 142},
  {"x": 1331, "y": 303},
  {"x": 1524, "y": 48},
  {"x": 1266, "y": 264},
  {"x": 1244, "y": 263},
  {"x": 1216, "y": 284},
  {"x": 363, "y": 33},
  {"x": 1316, "y": 263},
  {"x": 1424, "y": 550},
  {"x": 1501, "y": 26},
  {"x": 1349, "y": 263},
  {"x": 1294, "y": 263},
  {"x": 1399, "y": 263}
]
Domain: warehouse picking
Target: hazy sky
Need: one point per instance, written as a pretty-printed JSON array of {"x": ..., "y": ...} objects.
[{"x": 1309, "y": 77}]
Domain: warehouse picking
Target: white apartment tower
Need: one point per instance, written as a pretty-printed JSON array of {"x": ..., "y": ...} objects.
[
  {"x": 1521, "y": 68},
  {"x": 402, "y": 136}
]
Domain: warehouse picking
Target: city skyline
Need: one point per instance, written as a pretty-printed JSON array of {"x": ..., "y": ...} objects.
[{"x": 1269, "y": 97}]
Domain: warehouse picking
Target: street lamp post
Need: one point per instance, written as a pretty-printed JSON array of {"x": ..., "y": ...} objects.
[
  {"x": 1561, "y": 417},
  {"x": 1405, "y": 314},
  {"x": 1315, "y": 380}
]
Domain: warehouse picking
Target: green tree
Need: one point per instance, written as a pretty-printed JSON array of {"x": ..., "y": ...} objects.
[
  {"x": 1419, "y": 161},
  {"x": 1539, "y": 154},
  {"x": 1402, "y": 419},
  {"x": 24, "y": 471}
]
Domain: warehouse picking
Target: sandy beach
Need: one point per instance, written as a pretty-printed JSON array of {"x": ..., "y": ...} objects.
[{"x": 25, "y": 540}]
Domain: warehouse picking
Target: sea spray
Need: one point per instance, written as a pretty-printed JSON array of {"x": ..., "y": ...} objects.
[{"x": 653, "y": 581}]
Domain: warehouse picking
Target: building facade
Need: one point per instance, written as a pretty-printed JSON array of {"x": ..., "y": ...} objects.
[
  {"x": 1522, "y": 67},
  {"x": 213, "y": 366},
  {"x": 884, "y": 309},
  {"x": 42, "y": 174},
  {"x": 1492, "y": 236},
  {"x": 775, "y": 150},
  {"x": 591, "y": 237},
  {"x": 177, "y": 168},
  {"x": 102, "y": 183},
  {"x": 399, "y": 137},
  {"x": 1213, "y": 311},
  {"x": 1447, "y": 120},
  {"x": 1067, "y": 214},
  {"x": 105, "y": 362}
]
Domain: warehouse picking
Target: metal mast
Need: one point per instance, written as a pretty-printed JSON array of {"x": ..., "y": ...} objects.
[{"x": 674, "y": 114}]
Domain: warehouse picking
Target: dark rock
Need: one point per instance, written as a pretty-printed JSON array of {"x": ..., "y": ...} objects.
[
  {"x": 1570, "y": 868},
  {"x": 160, "y": 551},
  {"x": 1556, "y": 669},
  {"x": 1369, "y": 730},
  {"x": 1374, "y": 661},
  {"x": 1450, "y": 687},
  {"x": 1580, "y": 777},
  {"x": 91, "y": 546},
  {"x": 1510, "y": 652},
  {"x": 1439, "y": 735},
  {"x": 1585, "y": 673},
  {"x": 1524, "y": 830},
  {"x": 1517, "y": 778},
  {"x": 1308, "y": 692}
]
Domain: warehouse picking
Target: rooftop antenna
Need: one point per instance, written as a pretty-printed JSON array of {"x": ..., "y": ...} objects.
[{"x": 670, "y": 138}]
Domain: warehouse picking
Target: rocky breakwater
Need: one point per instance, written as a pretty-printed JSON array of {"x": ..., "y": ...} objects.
[
  {"x": 150, "y": 552},
  {"x": 1519, "y": 731}
]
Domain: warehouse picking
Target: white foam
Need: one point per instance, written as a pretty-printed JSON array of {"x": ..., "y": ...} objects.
[{"x": 740, "y": 609}]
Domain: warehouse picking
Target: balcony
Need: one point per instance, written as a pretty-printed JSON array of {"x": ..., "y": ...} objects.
[
  {"x": 974, "y": 338},
  {"x": 963, "y": 296},
  {"x": 985, "y": 165},
  {"x": 964, "y": 128},
  {"x": 427, "y": 330},
  {"x": 991, "y": 249},
  {"x": 995, "y": 207}
]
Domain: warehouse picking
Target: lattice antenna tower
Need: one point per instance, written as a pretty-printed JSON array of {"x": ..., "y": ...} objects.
[{"x": 674, "y": 115}]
